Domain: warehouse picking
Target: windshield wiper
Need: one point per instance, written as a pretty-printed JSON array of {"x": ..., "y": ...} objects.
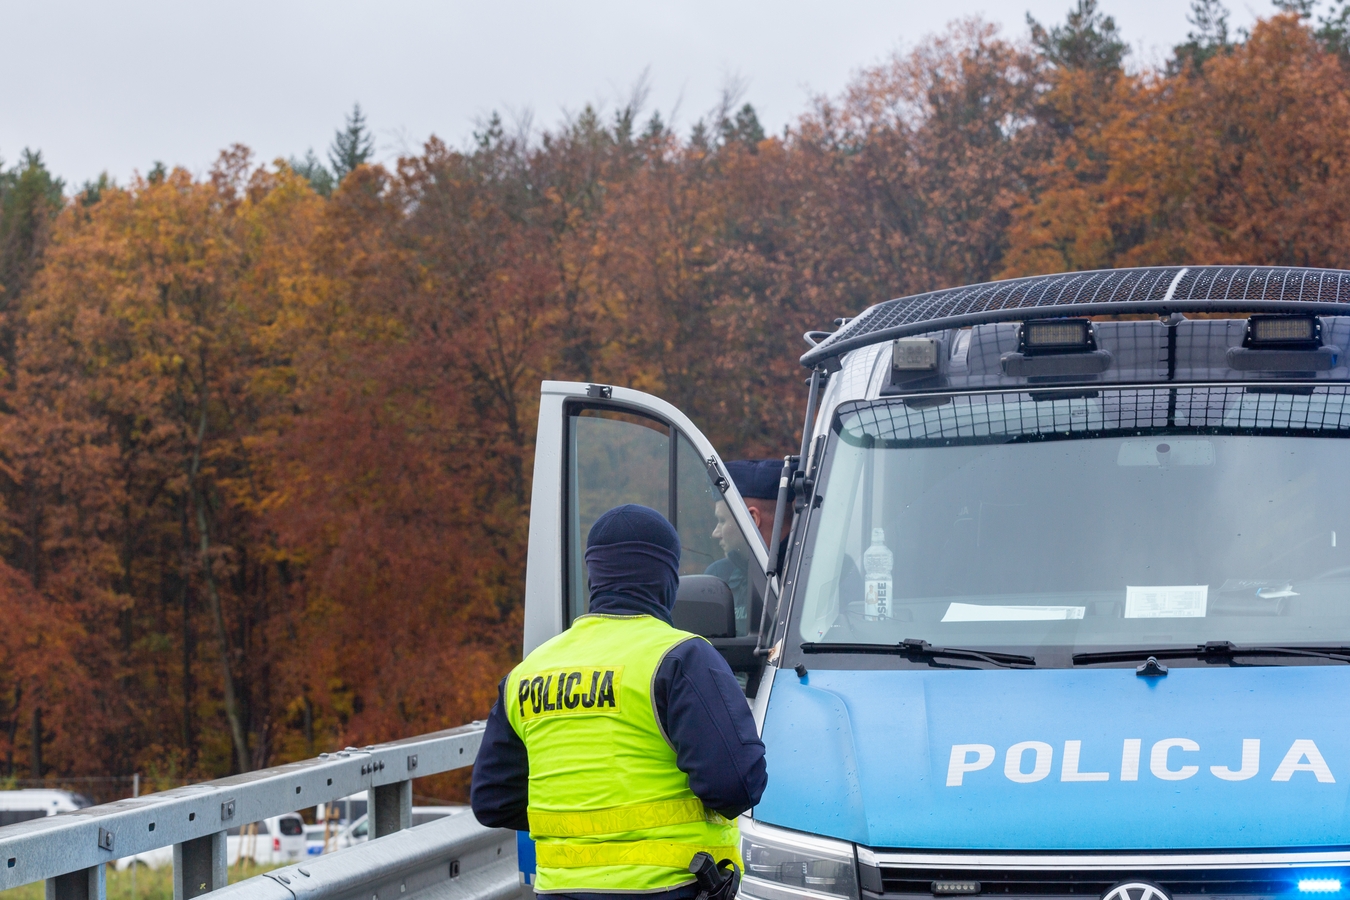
[
  {"x": 914, "y": 647},
  {"x": 1210, "y": 650}
]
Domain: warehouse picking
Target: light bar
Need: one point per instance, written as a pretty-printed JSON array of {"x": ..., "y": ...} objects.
[
  {"x": 1056, "y": 336},
  {"x": 1283, "y": 332},
  {"x": 1319, "y": 885},
  {"x": 915, "y": 355},
  {"x": 947, "y": 888}
]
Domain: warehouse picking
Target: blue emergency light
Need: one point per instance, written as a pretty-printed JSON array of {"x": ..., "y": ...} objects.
[{"x": 1319, "y": 885}]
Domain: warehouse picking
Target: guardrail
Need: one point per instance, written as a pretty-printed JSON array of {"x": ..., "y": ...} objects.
[
  {"x": 71, "y": 850},
  {"x": 449, "y": 859}
]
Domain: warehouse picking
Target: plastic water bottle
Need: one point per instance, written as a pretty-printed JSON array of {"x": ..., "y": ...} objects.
[{"x": 877, "y": 563}]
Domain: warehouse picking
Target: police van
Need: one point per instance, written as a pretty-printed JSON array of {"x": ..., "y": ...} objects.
[{"x": 1065, "y": 607}]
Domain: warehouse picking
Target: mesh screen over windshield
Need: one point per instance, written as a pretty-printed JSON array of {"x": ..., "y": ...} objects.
[
  {"x": 1125, "y": 518},
  {"x": 1050, "y": 415}
]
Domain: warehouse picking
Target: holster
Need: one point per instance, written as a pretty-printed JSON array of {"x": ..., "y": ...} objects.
[{"x": 717, "y": 881}]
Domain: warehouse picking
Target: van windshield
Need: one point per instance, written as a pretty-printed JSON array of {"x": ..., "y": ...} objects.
[{"x": 1050, "y": 524}]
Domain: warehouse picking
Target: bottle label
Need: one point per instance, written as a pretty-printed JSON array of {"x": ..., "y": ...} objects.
[{"x": 877, "y": 599}]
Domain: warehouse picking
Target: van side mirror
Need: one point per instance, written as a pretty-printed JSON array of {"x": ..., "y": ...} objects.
[{"x": 704, "y": 605}]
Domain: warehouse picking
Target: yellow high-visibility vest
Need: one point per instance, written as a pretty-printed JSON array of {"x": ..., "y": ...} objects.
[{"x": 609, "y": 809}]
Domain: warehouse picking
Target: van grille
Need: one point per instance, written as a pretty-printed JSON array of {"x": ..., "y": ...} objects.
[{"x": 1217, "y": 884}]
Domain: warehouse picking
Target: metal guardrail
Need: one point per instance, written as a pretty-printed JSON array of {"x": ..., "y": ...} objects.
[
  {"x": 449, "y": 859},
  {"x": 71, "y": 850}
]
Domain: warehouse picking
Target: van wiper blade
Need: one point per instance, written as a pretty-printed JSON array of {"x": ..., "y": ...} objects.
[
  {"x": 1211, "y": 650},
  {"x": 924, "y": 650}
]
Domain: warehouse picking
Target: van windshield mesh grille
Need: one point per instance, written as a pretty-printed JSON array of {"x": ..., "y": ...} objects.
[{"x": 979, "y": 418}]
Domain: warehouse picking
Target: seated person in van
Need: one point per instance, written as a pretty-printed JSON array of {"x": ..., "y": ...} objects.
[{"x": 757, "y": 481}]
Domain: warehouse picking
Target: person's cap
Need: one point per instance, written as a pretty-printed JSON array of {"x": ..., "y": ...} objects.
[
  {"x": 756, "y": 478},
  {"x": 632, "y": 523}
]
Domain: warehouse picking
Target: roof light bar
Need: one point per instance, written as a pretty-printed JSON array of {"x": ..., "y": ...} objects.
[
  {"x": 1283, "y": 332},
  {"x": 1056, "y": 336}
]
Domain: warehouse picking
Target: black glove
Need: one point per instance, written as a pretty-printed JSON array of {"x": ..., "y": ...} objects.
[{"x": 717, "y": 881}]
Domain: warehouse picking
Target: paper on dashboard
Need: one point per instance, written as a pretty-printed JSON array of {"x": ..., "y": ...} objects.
[
  {"x": 1174, "y": 601},
  {"x": 974, "y": 612}
]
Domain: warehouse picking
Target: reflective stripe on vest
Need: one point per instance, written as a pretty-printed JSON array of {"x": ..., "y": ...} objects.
[
  {"x": 626, "y": 853},
  {"x": 617, "y": 819}
]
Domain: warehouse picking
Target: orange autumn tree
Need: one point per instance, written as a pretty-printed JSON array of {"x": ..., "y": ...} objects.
[
  {"x": 1243, "y": 157},
  {"x": 398, "y": 486},
  {"x": 149, "y": 354}
]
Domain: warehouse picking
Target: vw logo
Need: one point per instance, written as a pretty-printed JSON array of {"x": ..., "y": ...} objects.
[{"x": 1135, "y": 890}]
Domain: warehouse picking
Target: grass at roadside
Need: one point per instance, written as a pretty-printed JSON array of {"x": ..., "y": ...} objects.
[{"x": 156, "y": 884}]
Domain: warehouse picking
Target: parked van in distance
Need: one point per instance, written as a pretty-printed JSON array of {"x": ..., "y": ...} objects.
[{"x": 20, "y": 806}]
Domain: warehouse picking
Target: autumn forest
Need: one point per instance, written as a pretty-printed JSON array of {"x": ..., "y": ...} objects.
[{"x": 266, "y": 433}]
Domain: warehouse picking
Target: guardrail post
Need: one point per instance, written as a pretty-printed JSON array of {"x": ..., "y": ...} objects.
[
  {"x": 393, "y": 809},
  {"x": 199, "y": 866},
  {"x": 86, "y": 884}
]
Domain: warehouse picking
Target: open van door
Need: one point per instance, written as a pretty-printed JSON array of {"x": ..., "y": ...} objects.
[{"x": 600, "y": 446}]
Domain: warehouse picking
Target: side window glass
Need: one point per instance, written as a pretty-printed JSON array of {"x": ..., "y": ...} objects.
[
  {"x": 712, "y": 542},
  {"x": 615, "y": 458},
  {"x": 618, "y": 457}
]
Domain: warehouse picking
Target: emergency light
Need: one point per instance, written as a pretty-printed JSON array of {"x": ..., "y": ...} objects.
[
  {"x": 1056, "y": 336},
  {"x": 947, "y": 888},
  {"x": 1319, "y": 885},
  {"x": 1283, "y": 333},
  {"x": 914, "y": 355}
]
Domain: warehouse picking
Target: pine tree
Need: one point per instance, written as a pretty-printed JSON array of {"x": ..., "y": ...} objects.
[
  {"x": 352, "y": 146},
  {"x": 1209, "y": 37},
  {"x": 313, "y": 171},
  {"x": 29, "y": 198},
  {"x": 1088, "y": 40},
  {"x": 744, "y": 127},
  {"x": 1301, "y": 8},
  {"x": 1334, "y": 30}
]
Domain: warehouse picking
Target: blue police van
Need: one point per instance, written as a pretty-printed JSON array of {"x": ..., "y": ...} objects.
[{"x": 1065, "y": 605}]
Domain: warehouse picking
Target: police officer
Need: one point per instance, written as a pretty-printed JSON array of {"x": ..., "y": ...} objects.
[
  {"x": 757, "y": 482},
  {"x": 623, "y": 745}
]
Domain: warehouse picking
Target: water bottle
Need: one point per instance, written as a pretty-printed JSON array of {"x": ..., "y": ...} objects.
[{"x": 877, "y": 563}]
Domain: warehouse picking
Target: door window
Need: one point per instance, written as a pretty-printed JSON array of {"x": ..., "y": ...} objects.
[
  {"x": 711, "y": 541},
  {"x": 618, "y": 457}
]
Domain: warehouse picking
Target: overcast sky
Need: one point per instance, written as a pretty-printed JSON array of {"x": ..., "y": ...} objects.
[{"x": 104, "y": 85}]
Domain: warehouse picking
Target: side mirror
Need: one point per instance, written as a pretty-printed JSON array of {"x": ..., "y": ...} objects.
[{"x": 704, "y": 605}]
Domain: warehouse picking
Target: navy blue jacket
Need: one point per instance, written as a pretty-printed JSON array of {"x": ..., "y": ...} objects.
[{"x": 700, "y": 706}]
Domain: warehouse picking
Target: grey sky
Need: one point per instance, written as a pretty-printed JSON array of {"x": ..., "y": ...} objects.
[{"x": 116, "y": 86}]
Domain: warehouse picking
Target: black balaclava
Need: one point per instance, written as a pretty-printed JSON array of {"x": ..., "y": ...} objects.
[{"x": 633, "y": 560}]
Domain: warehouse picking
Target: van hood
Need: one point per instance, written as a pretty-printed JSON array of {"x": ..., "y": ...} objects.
[{"x": 1202, "y": 758}]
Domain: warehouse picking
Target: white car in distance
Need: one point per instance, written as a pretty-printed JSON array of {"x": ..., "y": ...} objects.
[
  {"x": 358, "y": 832},
  {"x": 20, "y": 806},
  {"x": 275, "y": 841}
]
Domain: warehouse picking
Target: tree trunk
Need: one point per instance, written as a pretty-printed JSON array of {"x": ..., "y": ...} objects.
[
  {"x": 185, "y": 602},
  {"x": 36, "y": 766},
  {"x": 213, "y": 596},
  {"x": 13, "y": 730},
  {"x": 309, "y": 726},
  {"x": 218, "y": 615}
]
